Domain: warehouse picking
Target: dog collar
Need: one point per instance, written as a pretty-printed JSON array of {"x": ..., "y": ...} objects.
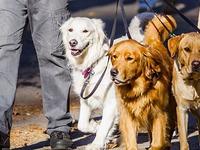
[{"x": 87, "y": 72}]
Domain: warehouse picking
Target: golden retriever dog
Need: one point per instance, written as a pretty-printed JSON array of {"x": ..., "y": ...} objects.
[
  {"x": 186, "y": 80},
  {"x": 86, "y": 45},
  {"x": 142, "y": 74}
]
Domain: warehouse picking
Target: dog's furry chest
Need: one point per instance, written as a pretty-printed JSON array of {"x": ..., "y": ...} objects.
[
  {"x": 188, "y": 90},
  {"x": 187, "y": 93},
  {"x": 189, "y": 97},
  {"x": 142, "y": 108},
  {"x": 78, "y": 81}
]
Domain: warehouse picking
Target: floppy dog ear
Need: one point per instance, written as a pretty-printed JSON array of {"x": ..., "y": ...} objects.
[
  {"x": 99, "y": 27},
  {"x": 152, "y": 68},
  {"x": 173, "y": 44},
  {"x": 100, "y": 38}
]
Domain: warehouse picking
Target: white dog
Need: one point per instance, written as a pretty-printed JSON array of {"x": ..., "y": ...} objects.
[{"x": 86, "y": 44}]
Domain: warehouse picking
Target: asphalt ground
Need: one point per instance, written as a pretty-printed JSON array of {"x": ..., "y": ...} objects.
[{"x": 28, "y": 104}]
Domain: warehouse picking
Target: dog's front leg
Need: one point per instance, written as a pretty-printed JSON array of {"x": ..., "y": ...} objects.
[
  {"x": 182, "y": 119},
  {"x": 196, "y": 113},
  {"x": 84, "y": 123},
  {"x": 159, "y": 132},
  {"x": 129, "y": 129},
  {"x": 107, "y": 122}
]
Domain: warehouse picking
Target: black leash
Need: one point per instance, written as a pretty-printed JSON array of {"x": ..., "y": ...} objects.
[
  {"x": 124, "y": 19},
  {"x": 155, "y": 14},
  {"x": 115, "y": 22},
  {"x": 171, "y": 35},
  {"x": 110, "y": 45},
  {"x": 188, "y": 21},
  {"x": 96, "y": 86},
  {"x": 180, "y": 14}
]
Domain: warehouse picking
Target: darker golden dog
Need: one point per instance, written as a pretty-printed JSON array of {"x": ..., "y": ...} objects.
[
  {"x": 142, "y": 74},
  {"x": 186, "y": 80}
]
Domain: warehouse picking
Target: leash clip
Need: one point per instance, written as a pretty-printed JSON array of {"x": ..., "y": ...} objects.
[
  {"x": 172, "y": 35},
  {"x": 89, "y": 76}
]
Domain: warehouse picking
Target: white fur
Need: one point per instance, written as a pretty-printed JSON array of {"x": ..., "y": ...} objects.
[
  {"x": 85, "y": 30},
  {"x": 137, "y": 27}
]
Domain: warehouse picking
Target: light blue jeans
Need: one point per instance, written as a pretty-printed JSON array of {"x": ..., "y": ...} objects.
[{"x": 45, "y": 18}]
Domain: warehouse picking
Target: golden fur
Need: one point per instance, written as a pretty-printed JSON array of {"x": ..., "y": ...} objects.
[
  {"x": 186, "y": 81},
  {"x": 142, "y": 74}
]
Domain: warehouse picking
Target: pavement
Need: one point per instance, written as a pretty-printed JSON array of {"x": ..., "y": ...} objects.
[{"x": 28, "y": 103}]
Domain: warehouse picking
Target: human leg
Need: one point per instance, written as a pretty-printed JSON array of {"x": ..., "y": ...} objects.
[
  {"x": 12, "y": 22},
  {"x": 45, "y": 18}
]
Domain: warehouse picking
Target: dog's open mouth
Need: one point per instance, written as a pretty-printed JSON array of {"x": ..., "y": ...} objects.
[
  {"x": 118, "y": 82},
  {"x": 76, "y": 52}
]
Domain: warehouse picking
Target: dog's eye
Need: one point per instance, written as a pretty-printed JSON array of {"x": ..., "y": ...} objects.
[
  {"x": 187, "y": 49},
  {"x": 70, "y": 29},
  {"x": 85, "y": 31},
  {"x": 129, "y": 58},
  {"x": 114, "y": 56}
]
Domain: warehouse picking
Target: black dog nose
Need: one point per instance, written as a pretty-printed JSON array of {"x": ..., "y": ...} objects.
[
  {"x": 196, "y": 66},
  {"x": 73, "y": 42},
  {"x": 114, "y": 72}
]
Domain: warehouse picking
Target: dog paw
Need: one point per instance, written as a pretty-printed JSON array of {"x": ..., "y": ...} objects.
[
  {"x": 113, "y": 143},
  {"x": 114, "y": 138},
  {"x": 92, "y": 127}
]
